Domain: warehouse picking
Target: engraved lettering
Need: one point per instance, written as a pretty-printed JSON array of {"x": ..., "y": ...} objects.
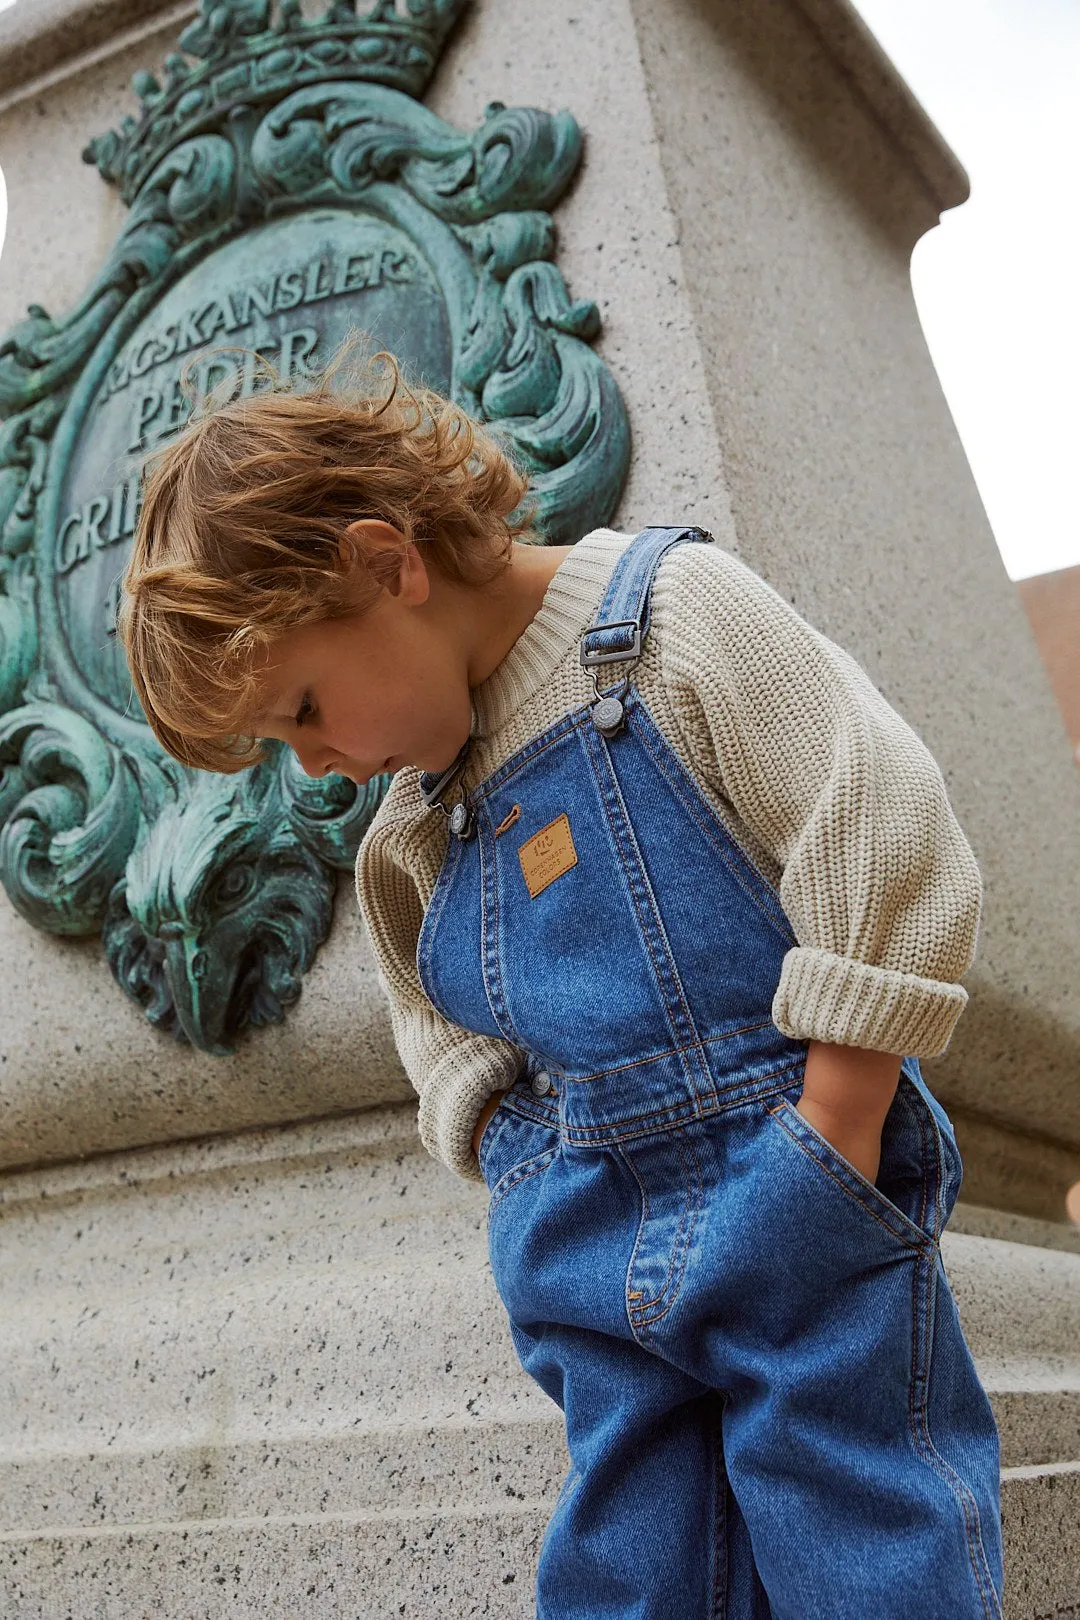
[
  {"x": 188, "y": 335},
  {"x": 221, "y": 318},
  {"x": 290, "y": 289},
  {"x": 179, "y": 409},
  {"x": 261, "y": 298},
  {"x": 312, "y": 290},
  {"x": 296, "y": 351},
  {"x": 116, "y": 513},
  {"x": 144, "y": 357},
  {"x": 118, "y": 373},
  {"x": 168, "y": 344},
  {"x": 396, "y": 266},
  {"x": 67, "y": 556},
  {"x": 96, "y": 514},
  {"x": 148, "y": 407}
]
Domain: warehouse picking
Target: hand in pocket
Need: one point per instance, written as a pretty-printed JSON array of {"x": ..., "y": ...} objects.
[
  {"x": 484, "y": 1115},
  {"x": 847, "y": 1092}
]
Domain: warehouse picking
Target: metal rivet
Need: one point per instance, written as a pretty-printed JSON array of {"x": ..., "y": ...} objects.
[
  {"x": 607, "y": 716},
  {"x": 541, "y": 1083},
  {"x": 461, "y": 821}
]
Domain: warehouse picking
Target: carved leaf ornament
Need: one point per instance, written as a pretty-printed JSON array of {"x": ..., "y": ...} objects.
[{"x": 284, "y": 184}]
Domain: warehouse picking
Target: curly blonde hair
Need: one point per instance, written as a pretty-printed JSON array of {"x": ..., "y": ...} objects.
[{"x": 241, "y": 532}]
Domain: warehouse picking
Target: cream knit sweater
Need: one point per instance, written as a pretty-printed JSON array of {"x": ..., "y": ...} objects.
[{"x": 824, "y": 787}]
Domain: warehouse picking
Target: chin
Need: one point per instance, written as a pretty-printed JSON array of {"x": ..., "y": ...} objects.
[{"x": 437, "y": 762}]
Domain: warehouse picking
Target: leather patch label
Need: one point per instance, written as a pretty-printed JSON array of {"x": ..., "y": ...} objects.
[{"x": 547, "y": 855}]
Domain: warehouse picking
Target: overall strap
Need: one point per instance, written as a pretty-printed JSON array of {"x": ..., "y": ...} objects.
[
  {"x": 620, "y": 627},
  {"x": 622, "y": 623},
  {"x": 615, "y": 635}
]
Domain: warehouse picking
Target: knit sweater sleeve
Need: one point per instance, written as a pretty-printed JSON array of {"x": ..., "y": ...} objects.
[
  {"x": 453, "y": 1070},
  {"x": 879, "y": 883}
]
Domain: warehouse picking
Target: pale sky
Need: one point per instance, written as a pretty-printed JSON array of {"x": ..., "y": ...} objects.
[{"x": 998, "y": 282}]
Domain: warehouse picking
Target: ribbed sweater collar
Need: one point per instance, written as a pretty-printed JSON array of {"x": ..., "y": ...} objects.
[{"x": 573, "y": 594}]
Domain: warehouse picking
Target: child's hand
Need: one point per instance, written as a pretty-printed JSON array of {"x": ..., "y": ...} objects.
[
  {"x": 847, "y": 1091},
  {"x": 484, "y": 1115}
]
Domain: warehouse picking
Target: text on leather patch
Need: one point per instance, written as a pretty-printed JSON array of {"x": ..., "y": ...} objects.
[{"x": 547, "y": 855}]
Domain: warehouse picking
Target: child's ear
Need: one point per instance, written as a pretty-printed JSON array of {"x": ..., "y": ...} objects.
[{"x": 385, "y": 554}]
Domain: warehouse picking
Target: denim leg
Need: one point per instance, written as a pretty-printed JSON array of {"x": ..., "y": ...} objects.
[
  {"x": 871, "y": 1486},
  {"x": 646, "y": 1526},
  {"x": 770, "y": 1408},
  {"x": 859, "y": 1442}
]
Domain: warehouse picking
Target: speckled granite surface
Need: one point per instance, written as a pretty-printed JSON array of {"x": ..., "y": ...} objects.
[{"x": 270, "y": 1369}]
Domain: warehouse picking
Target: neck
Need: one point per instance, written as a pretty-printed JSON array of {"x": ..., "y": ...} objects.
[{"x": 491, "y": 618}]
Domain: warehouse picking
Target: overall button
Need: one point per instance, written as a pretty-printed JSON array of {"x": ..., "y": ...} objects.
[{"x": 540, "y": 1084}]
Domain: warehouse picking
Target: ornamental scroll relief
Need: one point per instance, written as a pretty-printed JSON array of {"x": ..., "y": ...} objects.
[{"x": 285, "y": 186}]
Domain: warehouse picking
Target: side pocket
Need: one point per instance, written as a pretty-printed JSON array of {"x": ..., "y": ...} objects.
[
  {"x": 953, "y": 1172},
  {"x": 487, "y": 1141},
  {"x": 919, "y": 1174},
  {"x": 522, "y": 1146}
]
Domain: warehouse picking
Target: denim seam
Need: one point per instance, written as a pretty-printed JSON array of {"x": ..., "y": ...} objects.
[
  {"x": 724, "y": 844},
  {"x": 529, "y": 751},
  {"x": 749, "y": 1093},
  {"x": 490, "y": 1136},
  {"x": 430, "y": 924},
  {"x": 518, "y": 1173},
  {"x": 493, "y": 942},
  {"x": 654, "y": 908},
  {"x": 687, "y": 1222},
  {"x": 531, "y": 1110},
  {"x": 920, "y": 1122},
  {"x": 720, "y": 1528},
  {"x": 638, "y": 1306},
  {"x": 923, "y": 1323},
  {"x": 637, "y": 901},
  {"x": 542, "y": 1116},
  {"x": 930, "y": 1136},
  {"x": 916, "y": 1245},
  {"x": 642, "y": 1221},
  {"x": 671, "y": 1051}
]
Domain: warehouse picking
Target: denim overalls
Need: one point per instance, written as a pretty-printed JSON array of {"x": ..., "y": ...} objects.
[{"x": 770, "y": 1406}]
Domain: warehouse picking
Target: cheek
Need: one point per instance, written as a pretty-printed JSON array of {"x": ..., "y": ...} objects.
[{"x": 430, "y": 713}]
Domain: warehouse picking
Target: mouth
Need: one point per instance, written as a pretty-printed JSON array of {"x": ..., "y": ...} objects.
[{"x": 390, "y": 764}]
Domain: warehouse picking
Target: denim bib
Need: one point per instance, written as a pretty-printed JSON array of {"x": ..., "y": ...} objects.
[{"x": 601, "y": 917}]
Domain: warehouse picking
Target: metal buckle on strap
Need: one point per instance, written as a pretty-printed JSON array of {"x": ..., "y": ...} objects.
[
  {"x": 590, "y": 659},
  {"x": 433, "y": 794}
]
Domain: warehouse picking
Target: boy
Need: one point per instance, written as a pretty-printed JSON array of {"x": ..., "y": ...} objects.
[{"x": 667, "y": 903}]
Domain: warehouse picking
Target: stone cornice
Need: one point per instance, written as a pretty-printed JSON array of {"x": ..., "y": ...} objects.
[
  {"x": 39, "y": 39},
  {"x": 874, "y": 75}
]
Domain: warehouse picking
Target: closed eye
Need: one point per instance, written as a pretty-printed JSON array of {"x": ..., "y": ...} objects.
[{"x": 304, "y": 712}]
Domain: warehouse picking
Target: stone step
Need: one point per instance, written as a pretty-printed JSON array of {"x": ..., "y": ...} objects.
[
  {"x": 424, "y": 1563},
  {"x": 460, "y": 1464},
  {"x": 420, "y": 1566},
  {"x": 271, "y": 1375},
  {"x": 1040, "y": 1516}
]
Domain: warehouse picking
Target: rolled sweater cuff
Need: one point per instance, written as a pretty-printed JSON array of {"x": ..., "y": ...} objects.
[
  {"x": 454, "y": 1092},
  {"x": 825, "y": 997}
]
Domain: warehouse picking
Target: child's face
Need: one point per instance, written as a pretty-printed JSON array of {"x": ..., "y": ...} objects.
[{"x": 384, "y": 688}]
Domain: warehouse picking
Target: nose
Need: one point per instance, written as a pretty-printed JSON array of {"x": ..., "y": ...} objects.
[{"x": 314, "y": 761}]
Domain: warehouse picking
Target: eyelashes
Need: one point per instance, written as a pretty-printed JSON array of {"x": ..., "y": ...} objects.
[{"x": 304, "y": 712}]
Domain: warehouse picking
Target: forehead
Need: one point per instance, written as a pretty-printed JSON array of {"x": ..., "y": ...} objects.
[
  {"x": 295, "y": 656},
  {"x": 272, "y": 675}
]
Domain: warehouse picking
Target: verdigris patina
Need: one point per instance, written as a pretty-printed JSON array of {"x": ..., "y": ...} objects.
[{"x": 285, "y": 186}]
